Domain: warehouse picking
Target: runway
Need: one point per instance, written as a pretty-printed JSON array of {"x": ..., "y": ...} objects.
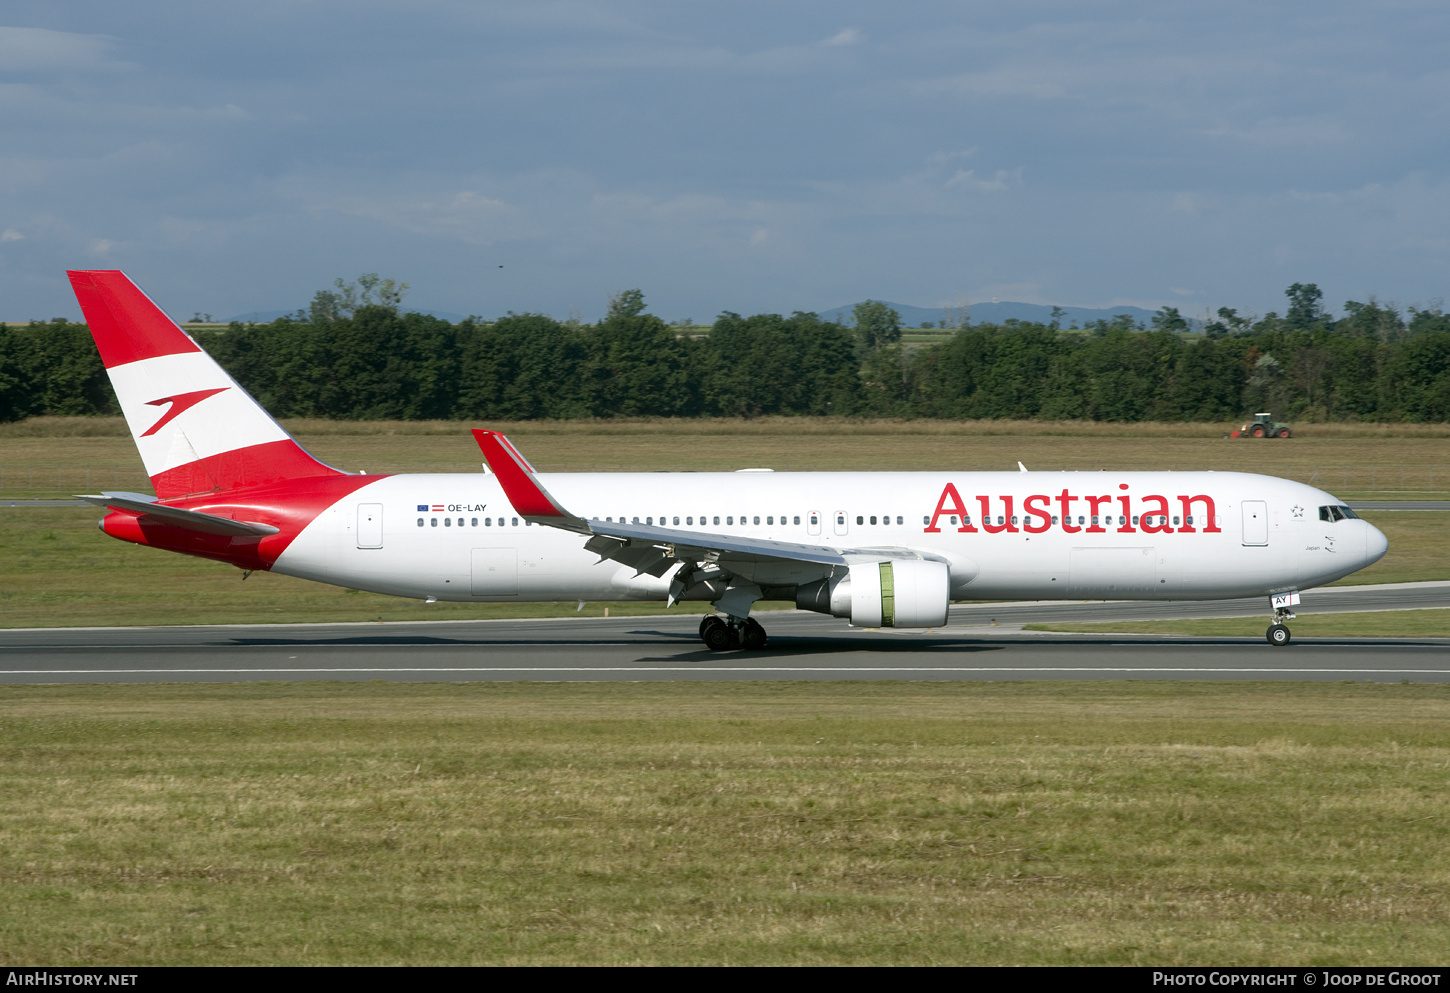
[{"x": 802, "y": 645}]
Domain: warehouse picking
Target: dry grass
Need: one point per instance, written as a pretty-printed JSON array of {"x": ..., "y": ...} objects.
[{"x": 701, "y": 823}]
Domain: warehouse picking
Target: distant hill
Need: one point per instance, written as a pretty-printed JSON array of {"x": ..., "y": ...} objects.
[
  {"x": 268, "y": 316},
  {"x": 996, "y": 313}
]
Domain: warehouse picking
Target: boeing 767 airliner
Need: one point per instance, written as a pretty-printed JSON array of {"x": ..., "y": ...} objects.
[{"x": 880, "y": 549}]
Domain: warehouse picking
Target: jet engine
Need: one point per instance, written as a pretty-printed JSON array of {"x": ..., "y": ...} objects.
[{"x": 886, "y": 593}]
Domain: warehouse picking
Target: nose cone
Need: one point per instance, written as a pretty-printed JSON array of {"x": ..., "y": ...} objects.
[{"x": 1375, "y": 544}]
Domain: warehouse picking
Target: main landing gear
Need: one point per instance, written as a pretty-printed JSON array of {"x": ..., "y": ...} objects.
[{"x": 722, "y": 634}]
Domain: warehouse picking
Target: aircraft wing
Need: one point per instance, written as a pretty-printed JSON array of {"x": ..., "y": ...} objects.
[
  {"x": 193, "y": 520},
  {"x": 686, "y": 542},
  {"x": 646, "y": 547}
]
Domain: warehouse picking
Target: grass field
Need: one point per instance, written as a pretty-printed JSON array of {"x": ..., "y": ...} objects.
[{"x": 748, "y": 824}]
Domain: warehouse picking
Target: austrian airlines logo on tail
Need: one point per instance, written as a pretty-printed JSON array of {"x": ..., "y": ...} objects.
[{"x": 179, "y": 403}]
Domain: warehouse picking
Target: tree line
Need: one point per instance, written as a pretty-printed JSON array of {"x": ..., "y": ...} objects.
[{"x": 350, "y": 359}]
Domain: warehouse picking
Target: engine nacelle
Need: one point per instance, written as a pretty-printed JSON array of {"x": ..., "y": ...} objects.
[{"x": 899, "y": 593}]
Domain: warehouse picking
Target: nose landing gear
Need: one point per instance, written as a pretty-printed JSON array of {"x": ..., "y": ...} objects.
[
  {"x": 722, "y": 634},
  {"x": 1282, "y": 604}
]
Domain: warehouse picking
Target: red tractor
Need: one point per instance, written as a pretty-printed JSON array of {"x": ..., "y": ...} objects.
[{"x": 1262, "y": 426}]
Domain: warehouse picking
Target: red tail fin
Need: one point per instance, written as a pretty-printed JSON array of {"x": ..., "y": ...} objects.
[{"x": 196, "y": 429}]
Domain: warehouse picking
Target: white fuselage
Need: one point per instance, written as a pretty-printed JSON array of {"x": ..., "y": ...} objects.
[{"x": 1141, "y": 536}]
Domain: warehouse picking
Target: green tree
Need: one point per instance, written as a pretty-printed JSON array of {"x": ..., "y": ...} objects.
[
  {"x": 636, "y": 366},
  {"x": 877, "y": 325},
  {"x": 625, "y": 304},
  {"x": 1304, "y": 306},
  {"x": 1169, "y": 319},
  {"x": 368, "y": 290},
  {"x": 768, "y": 364}
]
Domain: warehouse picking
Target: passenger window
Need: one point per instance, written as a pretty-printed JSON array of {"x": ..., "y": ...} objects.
[
  {"x": 926, "y": 520},
  {"x": 717, "y": 520},
  {"x": 1054, "y": 518},
  {"x": 798, "y": 520},
  {"x": 474, "y": 522},
  {"x": 677, "y": 520},
  {"x": 447, "y": 522},
  {"x": 1175, "y": 520},
  {"x": 649, "y": 520},
  {"x": 420, "y": 522},
  {"x": 1095, "y": 520},
  {"x": 1135, "y": 520},
  {"x": 954, "y": 520},
  {"x": 689, "y": 520},
  {"x": 433, "y": 522},
  {"x": 770, "y": 520},
  {"x": 873, "y": 518},
  {"x": 1014, "y": 520},
  {"x": 757, "y": 520},
  {"x": 898, "y": 519},
  {"x": 860, "y": 519},
  {"x": 460, "y": 522},
  {"x": 730, "y": 520}
]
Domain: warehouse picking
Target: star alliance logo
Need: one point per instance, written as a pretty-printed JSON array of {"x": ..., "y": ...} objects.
[{"x": 1297, "y": 511}]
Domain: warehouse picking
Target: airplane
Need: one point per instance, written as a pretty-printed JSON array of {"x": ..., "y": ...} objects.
[{"x": 877, "y": 549}]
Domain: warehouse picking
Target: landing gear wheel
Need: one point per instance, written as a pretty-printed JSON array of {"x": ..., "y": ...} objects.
[
  {"x": 752, "y": 635},
  {"x": 1277, "y": 635},
  {"x": 717, "y": 634}
]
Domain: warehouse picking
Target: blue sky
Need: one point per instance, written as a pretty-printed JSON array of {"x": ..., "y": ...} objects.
[{"x": 744, "y": 156}]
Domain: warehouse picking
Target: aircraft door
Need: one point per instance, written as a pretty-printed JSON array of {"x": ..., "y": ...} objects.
[
  {"x": 495, "y": 572},
  {"x": 370, "y": 525},
  {"x": 1256, "y": 522},
  {"x": 813, "y": 522},
  {"x": 840, "y": 522}
]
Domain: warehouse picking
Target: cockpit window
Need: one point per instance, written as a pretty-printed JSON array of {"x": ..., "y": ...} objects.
[{"x": 1337, "y": 513}]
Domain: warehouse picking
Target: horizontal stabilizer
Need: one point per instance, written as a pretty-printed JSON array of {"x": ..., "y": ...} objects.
[{"x": 192, "y": 520}]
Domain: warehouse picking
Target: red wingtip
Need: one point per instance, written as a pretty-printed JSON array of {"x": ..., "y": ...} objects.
[{"x": 126, "y": 325}]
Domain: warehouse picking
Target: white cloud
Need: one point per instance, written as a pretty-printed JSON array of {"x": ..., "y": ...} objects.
[
  {"x": 845, "y": 36},
  {"x": 41, "y": 50},
  {"x": 10, "y": 234},
  {"x": 1001, "y": 180}
]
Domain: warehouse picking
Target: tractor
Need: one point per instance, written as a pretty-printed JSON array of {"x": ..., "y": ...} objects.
[{"x": 1262, "y": 426}]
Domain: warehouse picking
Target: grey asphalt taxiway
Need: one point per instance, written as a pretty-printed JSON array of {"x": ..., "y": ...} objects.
[{"x": 982, "y": 641}]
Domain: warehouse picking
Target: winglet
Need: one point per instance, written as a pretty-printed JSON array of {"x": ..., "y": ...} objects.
[{"x": 520, "y": 485}]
